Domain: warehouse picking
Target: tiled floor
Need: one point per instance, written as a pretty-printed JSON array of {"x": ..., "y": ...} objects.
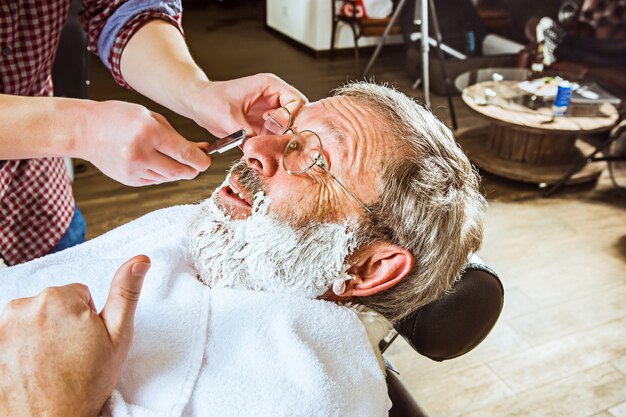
[{"x": 559, "y": 348}]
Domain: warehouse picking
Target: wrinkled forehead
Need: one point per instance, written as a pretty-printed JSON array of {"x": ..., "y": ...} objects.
[
  {"x": 344, "y": 119},
  {"x": 344, "y": 114},
  {"x": 354, "y": 135},
  {"x": 355, "y": 119}
]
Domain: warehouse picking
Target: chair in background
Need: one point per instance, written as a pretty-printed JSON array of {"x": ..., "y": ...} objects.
[
  {"x": 595, "y": 20},
  {"x": 449, "y": 327},
  {"x": 360, "y": 27},
  {"x": 611, "y": 149}
]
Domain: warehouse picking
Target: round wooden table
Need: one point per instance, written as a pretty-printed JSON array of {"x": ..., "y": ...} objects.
[{"x": 530, "y": 145}]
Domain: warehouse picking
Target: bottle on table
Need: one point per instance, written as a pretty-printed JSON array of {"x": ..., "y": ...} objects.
[{"x": 562, "y": 98}]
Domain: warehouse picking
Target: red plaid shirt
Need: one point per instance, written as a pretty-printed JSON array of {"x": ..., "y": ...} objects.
[{"x": 36, "y": 201}]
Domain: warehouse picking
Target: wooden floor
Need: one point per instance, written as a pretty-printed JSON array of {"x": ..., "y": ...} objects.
[{"x": 559, "y": 348}]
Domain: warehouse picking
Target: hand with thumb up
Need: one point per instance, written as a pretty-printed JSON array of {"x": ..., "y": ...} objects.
[{"x": 58, "y": 356}]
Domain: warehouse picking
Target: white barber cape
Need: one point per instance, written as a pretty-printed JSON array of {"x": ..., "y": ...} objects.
[{"x": 203, "y": 352}]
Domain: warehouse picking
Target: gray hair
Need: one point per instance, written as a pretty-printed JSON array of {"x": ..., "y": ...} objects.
[{"x": 430, "y": 203}]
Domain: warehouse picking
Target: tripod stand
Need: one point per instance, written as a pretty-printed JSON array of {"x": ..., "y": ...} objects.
[{"x": 421, "y": 18}]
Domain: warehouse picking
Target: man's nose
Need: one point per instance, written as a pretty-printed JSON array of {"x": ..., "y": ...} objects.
[{"x": 265, "y": 153}]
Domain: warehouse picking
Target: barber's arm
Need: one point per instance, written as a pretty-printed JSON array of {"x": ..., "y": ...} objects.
[
  {"x": 58, "y": 356},
  {"x": 142, "y": 43},
  {"x": 157, "y": 63},
  {"x": 126, "y": 141}
]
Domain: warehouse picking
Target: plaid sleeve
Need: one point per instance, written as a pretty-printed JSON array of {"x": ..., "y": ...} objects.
[
  {"x": 111, "y": 23},
  {"x": 129, "y": 29}
]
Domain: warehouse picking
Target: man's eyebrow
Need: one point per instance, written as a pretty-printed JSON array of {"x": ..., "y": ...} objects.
[{"x": 333, "y": 130}]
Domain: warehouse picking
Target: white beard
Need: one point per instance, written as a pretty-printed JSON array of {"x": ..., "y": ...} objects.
[{"x": 262, "y": 253}]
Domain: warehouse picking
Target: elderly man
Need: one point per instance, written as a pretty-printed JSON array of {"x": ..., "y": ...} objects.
[{"x": 364, "y": 199}]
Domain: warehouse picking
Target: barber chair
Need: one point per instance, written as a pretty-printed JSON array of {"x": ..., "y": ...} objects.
[{"x": 448, "y": 327}]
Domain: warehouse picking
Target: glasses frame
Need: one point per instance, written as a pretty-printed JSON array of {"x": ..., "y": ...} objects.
[{"x": 319, "y": 160}]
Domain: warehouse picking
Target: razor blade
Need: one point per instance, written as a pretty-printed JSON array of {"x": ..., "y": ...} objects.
[{"x": 229, "y": 142}]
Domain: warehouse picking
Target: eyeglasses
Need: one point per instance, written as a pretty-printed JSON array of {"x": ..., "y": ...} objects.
[{"x": 303, "y": 151}]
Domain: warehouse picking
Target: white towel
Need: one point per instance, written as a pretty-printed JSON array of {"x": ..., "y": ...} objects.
[{"x": 202, "y": 352}]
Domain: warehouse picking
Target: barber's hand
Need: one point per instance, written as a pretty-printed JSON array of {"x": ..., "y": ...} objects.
[
  {"x": 223, "y": 107},
  {"x": 135, "y": 146},
  {"x": 58, "y": 357}
]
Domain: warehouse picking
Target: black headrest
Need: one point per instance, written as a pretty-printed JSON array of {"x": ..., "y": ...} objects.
[{"x": 457, "y": 322}]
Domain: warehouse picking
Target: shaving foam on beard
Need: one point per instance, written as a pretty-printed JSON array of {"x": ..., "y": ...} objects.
[{"x": 263, "y": 253}]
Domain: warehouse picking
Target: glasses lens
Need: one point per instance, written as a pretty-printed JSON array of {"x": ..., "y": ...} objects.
[
  {"x": 277, "y": 122},
  {"x": 302, "y": 152}
]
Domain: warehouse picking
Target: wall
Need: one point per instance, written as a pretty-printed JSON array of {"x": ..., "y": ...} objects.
[{"x": 309, "y": 22}]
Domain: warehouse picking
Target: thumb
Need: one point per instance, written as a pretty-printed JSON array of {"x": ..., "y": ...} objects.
[{"x": 118, "y": 313}]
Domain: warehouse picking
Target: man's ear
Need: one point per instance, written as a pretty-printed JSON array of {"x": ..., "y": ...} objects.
[{"x": 377, "y": 267}]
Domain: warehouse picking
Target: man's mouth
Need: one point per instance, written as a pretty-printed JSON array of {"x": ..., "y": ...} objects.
[{"x": 236, "y": 202}]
